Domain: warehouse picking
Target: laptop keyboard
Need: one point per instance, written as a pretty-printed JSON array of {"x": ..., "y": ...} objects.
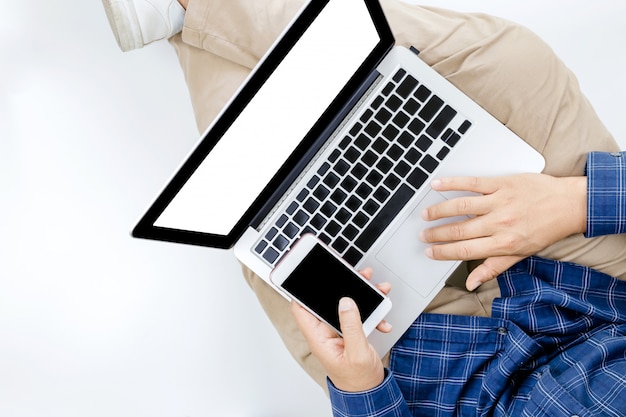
[{"x": 387, "y": 155}]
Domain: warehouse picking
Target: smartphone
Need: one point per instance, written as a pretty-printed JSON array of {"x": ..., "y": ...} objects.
[{"x": 316, "y": 277}]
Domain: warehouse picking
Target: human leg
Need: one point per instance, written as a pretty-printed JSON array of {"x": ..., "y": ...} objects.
[
  {"x": 480, "y": 54},
  {"x": 136, "y": 23}
]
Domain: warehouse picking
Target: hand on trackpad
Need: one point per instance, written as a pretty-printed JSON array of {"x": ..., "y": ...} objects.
[{"x": 404, "y": 254}]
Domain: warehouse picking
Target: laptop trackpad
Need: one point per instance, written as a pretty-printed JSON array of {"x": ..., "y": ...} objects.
[{"x": 403, "y": 254}]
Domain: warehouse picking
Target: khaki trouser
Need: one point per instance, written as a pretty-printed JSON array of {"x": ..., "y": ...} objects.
[{"x": 505, "y": 68}]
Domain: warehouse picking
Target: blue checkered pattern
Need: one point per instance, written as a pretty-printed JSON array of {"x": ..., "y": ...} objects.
[
  {"x": 606, "y": 199},
  {"x": 555, "y": 345}
]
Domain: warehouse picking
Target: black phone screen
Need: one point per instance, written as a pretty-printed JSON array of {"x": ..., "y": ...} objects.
[{"x": 321, "y": 280}]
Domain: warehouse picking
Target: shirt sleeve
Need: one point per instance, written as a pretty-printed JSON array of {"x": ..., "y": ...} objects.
[
  {"x": 386, "y": 400},
  {"x": 606, "y": 193}
]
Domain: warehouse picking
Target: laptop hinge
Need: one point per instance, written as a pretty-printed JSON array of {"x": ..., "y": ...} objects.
[{"x": 318, "y": 145}]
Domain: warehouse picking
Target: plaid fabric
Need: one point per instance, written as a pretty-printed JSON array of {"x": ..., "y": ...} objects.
[
  {"x": 555, "y": 346},
  {"x": 606, "y": 193}
]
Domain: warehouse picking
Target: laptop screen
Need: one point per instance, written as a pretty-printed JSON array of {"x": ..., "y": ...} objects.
[{"x": 250, "y": 151}]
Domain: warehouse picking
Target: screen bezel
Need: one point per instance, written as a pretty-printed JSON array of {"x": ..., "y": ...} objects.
[{"x": 146, "y": 227}]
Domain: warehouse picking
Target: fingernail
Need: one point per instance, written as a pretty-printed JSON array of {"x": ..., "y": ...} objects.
[
  {"x": 425, "y": 214},
  {"x": 346, "y": 304},
  {"x": 421, "y": 236},
  {"x": 435, "y": 184},
  {"x": 429, "y": 252},
  {"x": 471, "y": 286}
]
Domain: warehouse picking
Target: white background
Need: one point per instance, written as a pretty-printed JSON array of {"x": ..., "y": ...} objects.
[{"x": 94, "y": 323}]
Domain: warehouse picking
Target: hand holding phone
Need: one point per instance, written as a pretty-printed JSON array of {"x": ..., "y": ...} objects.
[{"x": 314, "y": 276}]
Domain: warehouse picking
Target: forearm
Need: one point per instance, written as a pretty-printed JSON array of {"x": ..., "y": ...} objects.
[
  {"x": 606, "y": 193},
  {"x": 382, "y": 401}
]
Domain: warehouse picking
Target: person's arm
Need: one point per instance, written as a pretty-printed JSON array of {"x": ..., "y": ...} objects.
[
  {"x": 517, "y": 216},
  {"x": 606, "y": 202},
  {"x": 358, "y": 384}
]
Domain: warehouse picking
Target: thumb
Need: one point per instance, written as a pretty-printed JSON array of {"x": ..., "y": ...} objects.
[
  {"x": 351, "y": 325},
  {"x": 490, "y": 269}
]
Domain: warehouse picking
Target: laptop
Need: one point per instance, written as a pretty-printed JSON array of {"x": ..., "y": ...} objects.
[{"x": 336, "y": 132}]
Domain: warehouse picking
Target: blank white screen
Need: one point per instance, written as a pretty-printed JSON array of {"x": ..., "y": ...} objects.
[{"x": 257, "y": 144}]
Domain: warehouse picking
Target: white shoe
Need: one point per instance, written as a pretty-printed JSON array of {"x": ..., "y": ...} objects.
[{"x": 136, "y": 23}]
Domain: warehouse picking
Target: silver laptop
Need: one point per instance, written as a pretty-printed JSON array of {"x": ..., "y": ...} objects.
[{"x": 337, "y": 133}]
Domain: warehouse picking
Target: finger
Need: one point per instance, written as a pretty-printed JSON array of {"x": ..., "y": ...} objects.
[
  {"x": 367, "y": 273},
  {"x": 481, "y": 185},
  {"x": 462, "y": 230},
  {"x": 354, "y": 338},
  {"x": 490, "y": 269},
  {"x": 384, "y": 327},
  {"x": 461, "y": 206},
  {"x": 466, "y": 250},
  {"x": 384, "y": 287},
  {"x": 310, "y": 326}
]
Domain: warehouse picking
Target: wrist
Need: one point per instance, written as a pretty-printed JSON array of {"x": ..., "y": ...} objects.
[{"x": 576, "y": 189}]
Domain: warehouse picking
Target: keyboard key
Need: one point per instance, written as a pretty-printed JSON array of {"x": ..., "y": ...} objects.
[
  {"x": 343, "y": 216},
  {"x": 384, "y": 217},
  {"x": 352, "y": 256},
  {"x": 399, "y": 75},
  {"x": 392, "y": 181},
  {"x": 402, "y": 169},
  {"x": 371, "y": 207},
  {"x": 383, "y": 116},
  {"x": 465, "y": 127},
  {"x": 360, "y": 219},
  {"x": 331, "y": 180},
  {"x": 423, "y": 143},
  {"x": 348, "y": 184},
  {"x": 429, "y": 163},
  {"x": 364, "y": 190},
  {"x": 411, "y": 106},
  {"x": 338, "y": 196},
  {"x": 281, "y": 242},
  {"x": 378, "y": 101},
  {"x": 381, "y": 194},
  {"x": 401, "y": 119},
  {"x": 441, "y": 121},
  {"x": 282, "y": 220},
  {"x": 340, "y": 244},
  {"x": 388, "y": 88},
  {"x": 431, "y": 108},
  {"x": 292, "y": 208},
  {"x": 417, "y": 178},
  {"x": 271, "y": 234},
  {"x": 359, "y": 171},
  {"x": 406, "y": 139},
  {"x": 325, "y": 238},
  {"x": 323, "y": 169},
  {"x": 261, "y": 247},
  {"x": 422, "y": 93},
  {"x": 373, "y": 129},
  {"x": 391, "y": 132},
  {"x": 369, "y": 158},
  {"x": 453, "y": 139},
  {"x": 328, "y": 209},
  {"x": 312, "y": 182},
  {"x": 412, "y": 156},
  {"x": 385, "y": 164},
  {"x": 311, "y": 205},
  {"x": 356, "y": 129},
  {"x": 374, "y": 178},
  {"x": 333, "y": 228},
  {"x": 352, "y": 154},
  {"x": 380, "y": 145},
  {"x": 341, "y": 167},
  {"x": 354, "y": 203},
  {"x": 407, "y": 86},
  {"x": 345, "y": 142},
  {"x": 301, "y": 217},
  {"x": 366, "y": 116},
  {"x": 395, "y": 152},
  {"x": 291, "y": 230},
  {"x": 321, "y": 192},
  {"x": 350, "y": 232},
  {"x": 443, "y": 153},
  {"x": 393, "y": 103},
  {"x": 271, "y": 255},
  {"x": 302, "y": 195},
  {"x": 362, "y": 142},
  {"x": 416, "y": 127},
  {"x": 318, "y": 221}
]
